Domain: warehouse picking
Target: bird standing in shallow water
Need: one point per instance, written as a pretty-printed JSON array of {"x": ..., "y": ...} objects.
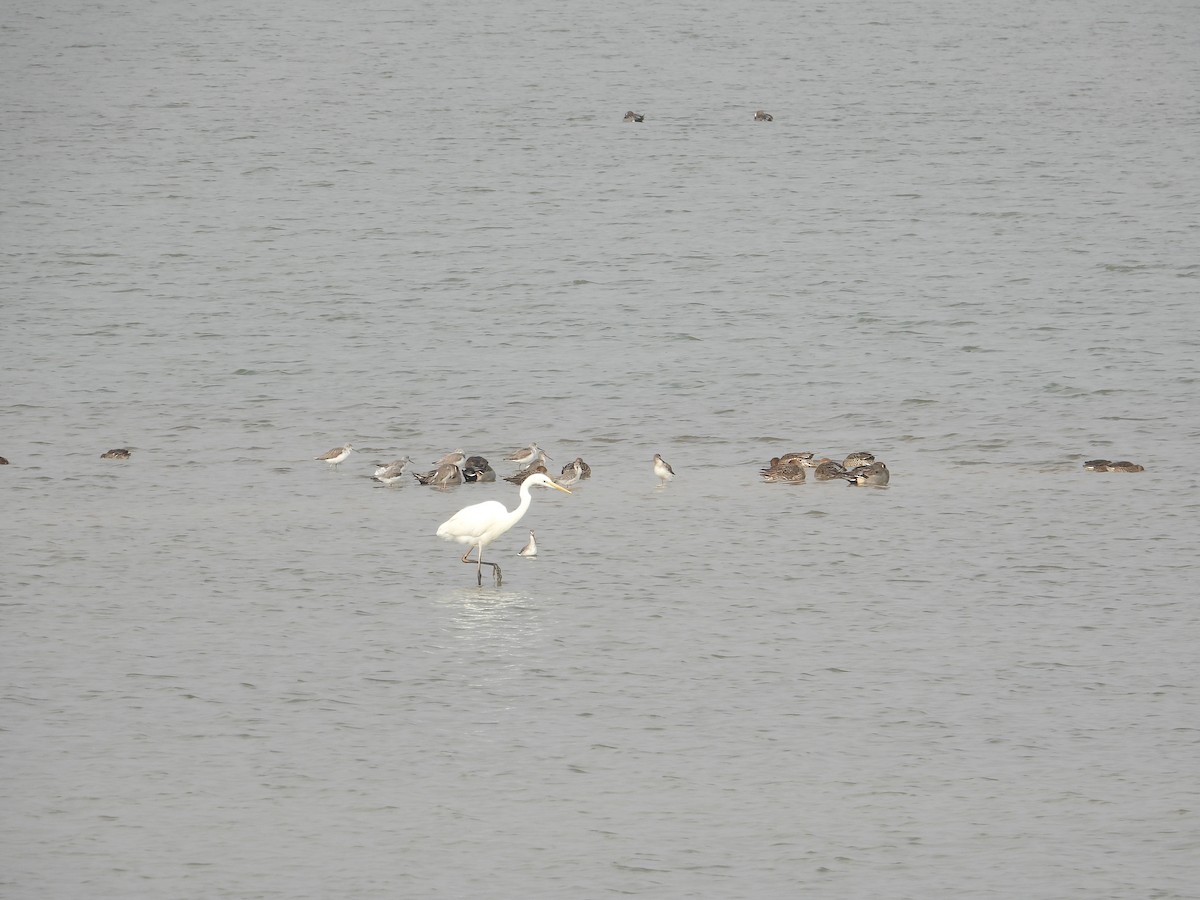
[
  {"x": 529, "y": 549},
  {"x": 393, "y": 471},
  {"x": 662, "y": 469},
  {"x": 527, "y": 456},
  {"x": 334, "y": 456},
  {"x": 479, "y": 525}
]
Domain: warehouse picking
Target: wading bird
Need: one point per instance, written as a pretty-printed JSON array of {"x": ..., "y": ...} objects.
[
  {"x": 479, "y": 525},
  {"x": 336, "y": 455},
  {"x": 663, "y": 469}
]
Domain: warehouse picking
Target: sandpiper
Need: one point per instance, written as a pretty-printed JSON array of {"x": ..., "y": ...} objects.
[
  {"x": 453, "y": 458},
  {"x": 662, "y": 469},
  {"x": 334, "y": 456},
  {"x": 392, "y": 472},
  {"x": 528, "y": 456},
  {"x": 529, "y": 549}
]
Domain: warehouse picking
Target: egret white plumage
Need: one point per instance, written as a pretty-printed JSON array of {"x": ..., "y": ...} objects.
[{"x": 480, "y": 524}]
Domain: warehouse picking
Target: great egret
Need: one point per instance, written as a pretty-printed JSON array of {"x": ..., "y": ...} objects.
[
  {"x": 119, "y": 453},
  {"x": 663, "y": 469},
  {"x": 336, "y": 455},
  {"x": 876, "y": 473},
  {"x": 762, "y": 115},
  {"x": 479, "y": 525}
]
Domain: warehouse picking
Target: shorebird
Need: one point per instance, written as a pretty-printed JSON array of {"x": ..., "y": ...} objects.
[
  {"x": 585, "y": 471},
  {"x": 479, "y": 525},
  {"x": 631, "y": 116},
  {"x": 662, "y": 469},
  {"x": 333, "y": 457},
  {"x": 442, "y": 476},
  {"x": 570, "y": 475},
  {"x": 529, "y": 549},
  {"x": 119, "y": 453},
  {"x": 453, "y": 458},
  {"x": 390, "y": 473},
  {"x": 520, "y": 477},
  {"x": 763, "y": 116},
  {"x": 529, "y": 456}
]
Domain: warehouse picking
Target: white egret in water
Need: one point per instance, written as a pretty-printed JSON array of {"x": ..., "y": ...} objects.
[{"x": 479, "y": 525}]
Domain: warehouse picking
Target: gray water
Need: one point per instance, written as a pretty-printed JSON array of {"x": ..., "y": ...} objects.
[{"x": 236, "y": 235}]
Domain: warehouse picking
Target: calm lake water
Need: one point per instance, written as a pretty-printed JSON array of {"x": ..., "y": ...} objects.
[{"x": 236, "y": 236}]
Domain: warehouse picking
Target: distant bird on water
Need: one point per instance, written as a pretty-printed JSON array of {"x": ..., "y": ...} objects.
[
  {"x": 570, "y": 474},
  {"x": 479, "y": 525},
  {"x": 119, "y": 453},
  {"x": 453, "y": 458},
  {"x": 585, "y": 471},
  {"x": 631, "y": 116},
  {"x": 3, "y": 461},
  {"x": 441, "y": 477},
  {"x": 392, "y": 472},
  {"x": 875, "y": 474},
  {"x": 520, "y": 477},
  {"x": 763, "y": 116},
  {"x": 789, "y": 472},
  {"x": 529, "y": 549},
  {"x": 333, "y": 457},
  {"x": 662, "y": 469},
  {"x": 528, "y": 456},
  {"x": 1126, "y": 466}
]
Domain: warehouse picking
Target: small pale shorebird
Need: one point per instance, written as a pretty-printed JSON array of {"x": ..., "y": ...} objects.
[
  {"x": 119, "y": 453},
  {"x": 585, "y": 471},
  {"x": 529, "y": 456},
  {"x": 336, "y": 455},
  {"x": 442, "y": 476},
  {"x": 662, "y": 469},
  {"x": 762, "y": 115},
  {"x": 570, "y": 474},
  {"x": 875, "y": 474},
  {"x": 631, "y": 116},
  {"x": 390, "y": 473},
  {"x": 453, "y": 458},
  {"x": 529, "y": 549}
]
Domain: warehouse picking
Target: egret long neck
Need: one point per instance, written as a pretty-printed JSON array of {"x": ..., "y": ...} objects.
[{"x": 523, "y": 506}]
